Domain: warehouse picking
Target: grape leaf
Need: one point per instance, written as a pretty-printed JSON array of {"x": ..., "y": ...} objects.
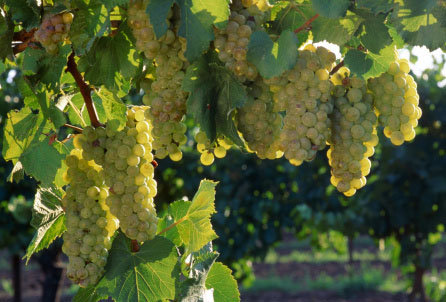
[
  {"x": 88, "y": 294},
  {"x": 117, "y": 49},
  {"x": 375, "y": 6},
  {"x": 370, "y": 64},
  {"x": 194, "y": 288},
  {"x": 17, "y": 173},
  {"x": 337, "y": 31},
  {"x": 41, "y": 160},
  {"x": 194, "y": 225},
  {"x": 221, "y": 280},
  {"x": 196, "y": 25},
  {"x": 91, "y": 20},
  {"x": 48, "y": 218},
  {"x": 417, "y": 25},
  {"x": 376, "y": 35},
  {"x": 21, "y": 128},
  {"x": 331, "y": 9},
  {"x": 291, "y": 19},
  {"x": 272, "y": 58},
  {"x": 25, "y": 12},
  {"x": 176, "y": 209},
  {"x": 147, "y": 275},
  {"x": 214, "y": 95},
  {"x": 6, "y": 34},
  {"x": 114, "y": 108}
]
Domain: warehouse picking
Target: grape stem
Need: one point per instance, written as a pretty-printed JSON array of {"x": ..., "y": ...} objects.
[
  {"x": 307, "y": 24},
  {"x": 77, "y": 129},
  {"x": 135, "y": 246},
  {"x": 337, "y": 67},
  {"x": 85, "y": 90},
  {"x": 26, "y": 37}
]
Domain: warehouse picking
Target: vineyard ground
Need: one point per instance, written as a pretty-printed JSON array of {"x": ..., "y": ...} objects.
[{"x": 290, "y": 273}]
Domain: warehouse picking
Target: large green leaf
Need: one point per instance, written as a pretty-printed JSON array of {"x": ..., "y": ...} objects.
[
  {"x": 91, "y": 20},
  {"x": 113, "y": 107},
  {"x": 288, "y": 18},
  {"x": 110, "y": 60},
  {"x": 214, "y": 95},
  {"x": 225, "y": 286},
  {"x": 21, "y": 129},
  {"x": 194, "y": 288},
  {"x": 376, "y": 35},
  {"x": 418, "y": 25},
  {"x": 337, "y": 31},
  {"x": 272, "y": 58},
  {"x": 367, "y": 65},
  {"x": 147, "y": 275},
  {"x": 331, "y": 9},
  {"x": 25, "y": 12},
  {"x": 197, "y": 20},
  {"x": 48, "y": 219},
  {"x": 42, "y": 161},
  {"x": 6, "y": 34},
  {"x": 375, "y": 6},
  {"x": 193, "y": 222}
]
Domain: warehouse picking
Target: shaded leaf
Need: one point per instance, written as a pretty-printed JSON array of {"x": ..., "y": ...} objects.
[{"x": 225, "y": 286}]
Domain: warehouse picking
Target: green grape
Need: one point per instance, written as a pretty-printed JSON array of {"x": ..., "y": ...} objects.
[
  {"x": 87, "y": 217},
  {"x": 353, "y": 133},
  {"x": 207, "y": 158},
  {"x": 54, "y": 30},
  {"x": 304, "y": 93},
  {"x": 396, "y": 100},
  {"x": 258, "y": 124},
  {"x": 232, "y": 41}
]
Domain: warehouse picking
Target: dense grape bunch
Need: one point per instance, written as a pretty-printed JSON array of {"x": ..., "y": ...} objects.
[
  {"x": 209, "y": 150},
  {"x": 259, "y": 124},
  {"x": 353, "y": 133},
  {"x": 304, "y": 93},
  {"x": 232, "y": 41},
  {"x": 396, "y": 99},
  {"x": 128, "y": 172},
  {"x": 89, "y": 222},
  {"x": 168, "y": 100},
  {"x": 53, "y": 30}
]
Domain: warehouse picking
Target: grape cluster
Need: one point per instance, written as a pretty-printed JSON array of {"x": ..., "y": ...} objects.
[
  {"x": 353, "y": 134},
  {"x": 53, "y": 30},
  {"x": 304, "y": 93},
  {"x": 232, "y": 41},
  {"x": 259, "y": 125},
  {"x": 209, "y": 150},
  {"x": 396, "y": 100},
  {"x": 128, "y": 171},
  {"x": 89, "y": 222},
  {"x": 167, "y": 101}
]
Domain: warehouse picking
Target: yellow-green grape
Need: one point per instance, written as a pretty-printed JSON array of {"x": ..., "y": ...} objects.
[
  {"x": 232, "y": 41},
  {"x": 167, "y": 101},
  {"x": 209, "y": 149},
  {"x": 128, "y": 172},
  {"x": 304, "y": 93},
  {"x": 90, "y": 225},
  {"x": 396, "y": 100},
  {"x": 258, "y": 124},
  {"x": 353, "y": 134},
  {"x": 53, "y": 30}
]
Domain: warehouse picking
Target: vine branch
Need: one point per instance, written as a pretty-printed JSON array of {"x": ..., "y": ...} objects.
[
  {"x": 26, "y": 37},
  {"x": 307, "y": 24},
  {"x": 85, "y": 90},
  {"x": 77, "y": 129},
  {"x": 337, "y": 67},
  {"x": 135, "y": 246}
]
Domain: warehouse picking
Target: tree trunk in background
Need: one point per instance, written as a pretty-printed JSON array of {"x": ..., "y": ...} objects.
[
  {"x": 350, "y": 247},
  {"x": 418, "y": 287},
  {"x": 16, "y": 280},
  {"x": 48, "y": 260}
]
